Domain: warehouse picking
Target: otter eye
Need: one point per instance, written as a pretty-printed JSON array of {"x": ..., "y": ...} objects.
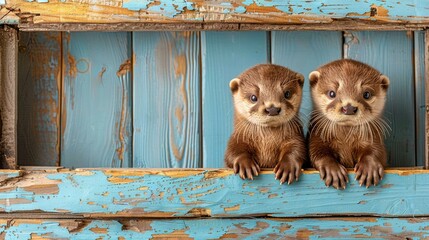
[
  {"x": 253, "y": 98},
  {"x": 332, "y": 94},
  {"x": 288, "y": 94},
  {"x": 367, "y": 95}
]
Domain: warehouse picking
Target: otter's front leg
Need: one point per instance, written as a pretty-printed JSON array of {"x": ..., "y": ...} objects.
[
  {"x": 291, "y": 159},
  {"x": 238, "y": 157},
  {"x": 322, "y": 158},
  {"x": 370, "y": 166}
]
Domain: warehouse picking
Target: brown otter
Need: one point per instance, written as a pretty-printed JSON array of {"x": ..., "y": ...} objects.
[
  {"x": 267, "y": 130},
  {"x": 346, "y": 126}
]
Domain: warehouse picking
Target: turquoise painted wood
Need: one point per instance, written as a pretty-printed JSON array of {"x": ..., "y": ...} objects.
[
  {"x": 326, "y": 228},
  {"x": 392, "y": 54},
  {"x": 394, "y": 10},
  {"x": 96, "y": 102},
  {"x": 303, "y": 52},
  {"x": 419, "y": 68},
  {"x": 166, "y": 99},
  {"x": 39, "y": 79},
  {"x": 216, "y": 193},
  {"x": 224, "y": 56}
]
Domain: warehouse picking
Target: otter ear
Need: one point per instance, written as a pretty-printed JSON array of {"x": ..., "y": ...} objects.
[
  {"x": 233, "y": 84},
  {"x": 384, "y": 82},
  {"x": 314, "y": 77},
  {"x": 300, "y": 79}
]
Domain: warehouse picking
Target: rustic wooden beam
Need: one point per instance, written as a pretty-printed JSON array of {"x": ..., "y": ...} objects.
[
  {"x": 207, "y": 193},
  {"x": 51, "y": 15},
  {"x": 426, "y": 63},
  {"x": 326, "y": 228},
  {"x": 8, "y": 99},
  {"x": 335, "y": 25}
]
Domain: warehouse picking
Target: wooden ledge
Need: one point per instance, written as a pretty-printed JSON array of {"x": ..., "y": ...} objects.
[
  {"x": 174, "y": 193},
  {"x": 216, "y": 15}
]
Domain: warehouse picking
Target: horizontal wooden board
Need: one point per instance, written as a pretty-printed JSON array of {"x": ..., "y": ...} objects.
[
  {"x": 404, "y": 12},
  {"x": 200, "y": 192},
  {"x": 322, "y": 228}
]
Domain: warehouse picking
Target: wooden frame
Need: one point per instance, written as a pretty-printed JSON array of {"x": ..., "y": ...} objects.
[{"x": 129, "y": 203}]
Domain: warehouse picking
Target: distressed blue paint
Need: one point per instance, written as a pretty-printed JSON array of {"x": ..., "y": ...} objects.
[
  {"x": 303, "y": 52},
  {"x": 328, "y": 228},
  {"x": 419, "y": 68},
  {"x": 407, "y": 9},
  {"x": 39, "y": 75},
  {"x": 96, "y": 114},
  {"x": 392, "y": 54},
  {"x": 147, "y": 193},
  {"x": 164, "y": 7},
  {"x": 166, "y": 99},
  {"x": 224, "y": 56}
]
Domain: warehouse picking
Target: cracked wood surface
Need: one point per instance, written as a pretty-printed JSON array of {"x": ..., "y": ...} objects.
[
  {"x": 44, "y": 13},
  {"x": 326, "y": 228},
  {"x": 206, "y": 193},
  {"x": 8, "y": 97}
]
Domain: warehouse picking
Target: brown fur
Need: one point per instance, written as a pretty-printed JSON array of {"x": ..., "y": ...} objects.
[
  {"x": 339, "y": 141},
  {"x": 262, "y": 141}
]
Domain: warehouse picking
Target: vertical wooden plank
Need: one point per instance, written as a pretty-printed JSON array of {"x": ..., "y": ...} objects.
[
  {"x": 419, "y": 68},
  {"x": 392, "y": 54},
  {"x": 303, "y": 52},
  {"x": 39, "y": 77},
  {"x": 166, "y": 99},
  {"x": 8, "y": 96},
  {"x": 96, "y": 105},
  {"x": 427, "y": 97},
  {"x": 224, "y": 56}
]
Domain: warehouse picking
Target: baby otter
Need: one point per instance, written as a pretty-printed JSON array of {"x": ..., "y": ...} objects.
[
  {"x": 346, "y": 125},
  {"x": 267, "y": 130}
]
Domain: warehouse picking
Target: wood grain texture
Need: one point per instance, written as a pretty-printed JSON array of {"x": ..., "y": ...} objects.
[
  {"x": 249, "y": 11},
  {"x": 426, "y": 62},
  {"x": 96, "y": 100},
  {"x": 215, "y": 193},
  {"x": 8, "y": 96},
  {"x": 224, "y": 56},
  {"x": 166, "y": 99},
  {"x": 304, "y": 52},
  {"x": 419, "y": 74},
  {"x": 392, "y": 54},
  {"x": 39, "y": 78},
  {"x": 326, "y": 228}
]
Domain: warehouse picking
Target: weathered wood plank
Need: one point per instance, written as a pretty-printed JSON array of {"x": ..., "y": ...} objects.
[
  {"x": 166, "y": 99},
  {"x": 8, "y": 96},
  {"x": 217, "y": 193},
  {"x": 224, "y": 56},
  {"x": 96, "y": 100},
  {"x": 292, "y": 49},
  {"x": 326, "y": 228},
  {"x": 392, "y": 54},
  {"x": 167, "y": 11},
  {"x": 419, "y": 74},
  {"x": 39, "y": 78},
  {"x": 426, "y": 62}
]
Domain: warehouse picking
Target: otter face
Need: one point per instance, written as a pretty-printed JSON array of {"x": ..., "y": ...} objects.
[
  {"x": 267, "y": 94},
  {"x": 348, "y": 92}
]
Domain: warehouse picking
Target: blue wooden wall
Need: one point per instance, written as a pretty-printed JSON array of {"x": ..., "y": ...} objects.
[{"x": 161, "y": 99}]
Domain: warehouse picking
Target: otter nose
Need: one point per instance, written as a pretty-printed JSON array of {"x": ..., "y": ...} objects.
[
  {"x": 349, "y": 109},
  {"x": 272, "y": 111}
]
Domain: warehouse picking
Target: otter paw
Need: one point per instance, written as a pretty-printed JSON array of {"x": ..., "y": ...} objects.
[
  {"x": 334, "y": 174},
  {"x": 369, "y": 172},
  {"x": 246, "y": 168},
  {"x": 287, "y": 171}
]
